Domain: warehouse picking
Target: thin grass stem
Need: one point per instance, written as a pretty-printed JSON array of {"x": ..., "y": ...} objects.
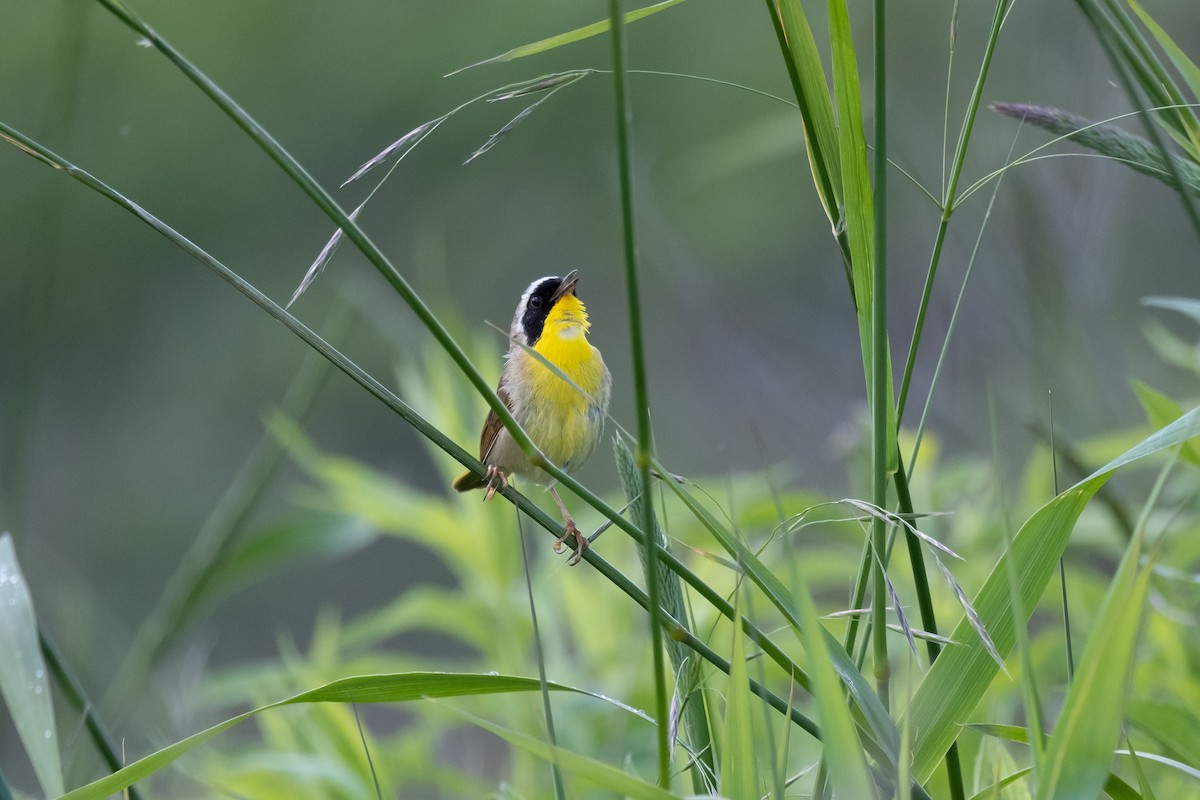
[
  {"x": 1062, "y": 561},
  {"x": 640, "y": 391},
  {"x": 948, "y": 201},
  {"x": 881, "y": 399},
  {"x": 555, "y": 771},
  {"x": 362, "y": 737},
  {"x": 954, "y": 319}
]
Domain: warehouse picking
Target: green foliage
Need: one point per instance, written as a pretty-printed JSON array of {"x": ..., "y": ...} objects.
[{"x": 737, "y": 586}]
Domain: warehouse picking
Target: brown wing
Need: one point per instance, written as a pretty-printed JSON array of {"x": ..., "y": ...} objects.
[
  {"x": 491, "y": 429},
  {"x": 492, "y": 426}
]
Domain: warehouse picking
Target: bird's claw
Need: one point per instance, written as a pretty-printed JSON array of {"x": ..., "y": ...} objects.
[
  {"x": 581, "y": 543},
  {"x": 496, "y": 482}
]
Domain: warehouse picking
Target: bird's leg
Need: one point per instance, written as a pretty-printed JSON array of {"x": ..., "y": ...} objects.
[
  {"x": 496, "y": 482},
  {"x": 571, "y": 529}
]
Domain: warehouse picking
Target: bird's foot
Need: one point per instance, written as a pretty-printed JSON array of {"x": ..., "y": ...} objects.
[
  {"x": 496, "y": 482},
  {"x": 581, "y": 542}
]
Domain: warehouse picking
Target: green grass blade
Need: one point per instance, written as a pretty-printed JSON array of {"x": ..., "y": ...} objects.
[
  {"x": 1144, "y": 786},
  {"x": 570, "y": 37},
  {"x": 859, "y": 206},
  {"x": 953, "y": 686},
  {"x": 1080, "y": 752},
  {"x": 739, "y": 774},
  {"x": 23, "y": 681},
  {"x": 1135, "y": 58},
  {"x": 842, "y": 749},
  {"x": 612, "y": 778},
  {"x": 641, "y": 395},
  {"x": 1187, "y": 68},
  {"x": 881, "y": 726},
  {"x": 396, "y": 688},
  {"x": 812, "y": 95},
  {"x": 860, "y": 211}
]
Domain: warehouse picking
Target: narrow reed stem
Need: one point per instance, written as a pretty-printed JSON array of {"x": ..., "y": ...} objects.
[
  {"x": 641, "y": 395},
  {"x": 881, "y": 399}
]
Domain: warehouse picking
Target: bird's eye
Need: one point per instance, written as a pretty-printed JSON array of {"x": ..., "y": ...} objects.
[{"x": 535, "y": 302}]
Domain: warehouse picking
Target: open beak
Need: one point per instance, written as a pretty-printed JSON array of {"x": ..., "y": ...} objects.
[{"x": 566, "y": 287}]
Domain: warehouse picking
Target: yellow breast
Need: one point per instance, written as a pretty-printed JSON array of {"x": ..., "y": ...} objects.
[{"x": 564, "y": 420}]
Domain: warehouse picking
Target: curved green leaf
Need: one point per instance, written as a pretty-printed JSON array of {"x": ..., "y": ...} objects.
[{"x": 398, "y": 688}]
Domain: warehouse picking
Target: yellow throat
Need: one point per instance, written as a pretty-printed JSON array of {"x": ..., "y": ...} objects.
[{"x": 563, "y": 420}]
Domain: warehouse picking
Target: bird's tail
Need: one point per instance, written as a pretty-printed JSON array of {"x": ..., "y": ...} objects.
[{"x": 468, "y": 481}]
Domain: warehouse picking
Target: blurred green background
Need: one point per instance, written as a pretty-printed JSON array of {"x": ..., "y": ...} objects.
[{"x": 133, "y": 384}]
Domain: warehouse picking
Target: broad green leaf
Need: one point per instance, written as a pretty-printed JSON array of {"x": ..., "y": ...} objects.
[
  {"x": 953, "y": 686},
  {"x": 739, "y": 774},
  {"x": 23, "y": 681},
  {"x": 1080, "y": 754},
  {"x": 398, "y": 688},
  {"x": 570, "y": 37},
  {"x": 881, "y": 728},
  {"x": 1162, "y": 410},
  {"x": 840, "y": 743},
  {"x": 612, "y": 778},
  {"x": 816, "y": 107}
]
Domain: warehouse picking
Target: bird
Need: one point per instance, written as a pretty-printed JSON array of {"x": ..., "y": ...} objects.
[{"x": 564, "y": 418}]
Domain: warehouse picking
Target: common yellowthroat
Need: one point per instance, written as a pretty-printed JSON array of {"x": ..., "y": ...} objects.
[{"x": 565, "y": 421}]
